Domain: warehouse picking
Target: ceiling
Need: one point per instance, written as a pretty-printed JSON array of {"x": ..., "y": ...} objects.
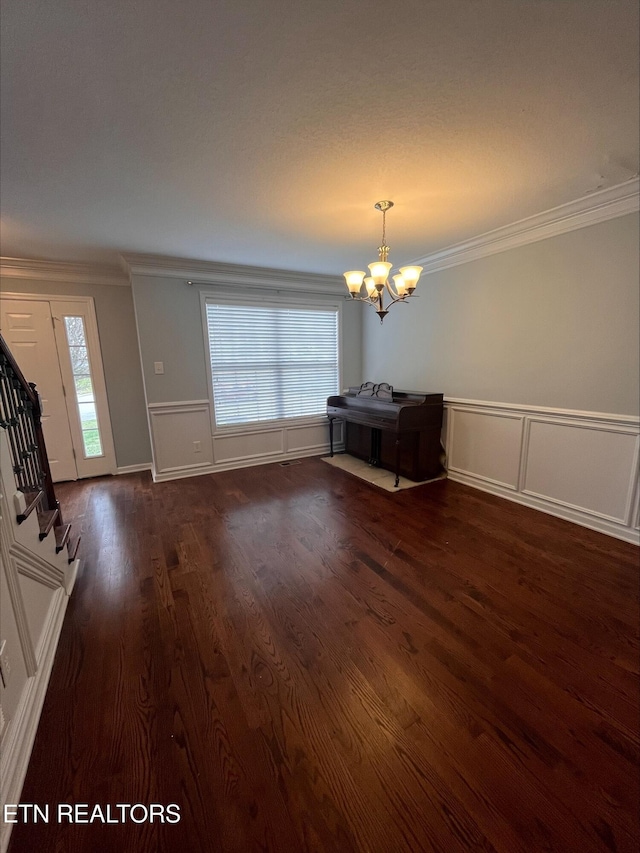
[{"x": 263, "y": 131}]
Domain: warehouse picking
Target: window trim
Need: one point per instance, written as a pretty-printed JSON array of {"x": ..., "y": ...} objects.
[{"x": 295, "y": 300}]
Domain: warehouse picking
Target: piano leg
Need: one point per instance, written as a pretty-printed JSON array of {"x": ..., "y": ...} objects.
[
  {"x": 397, "y": 482},
  {"x": 376, "y": 440},
  {"x": 331, "y": 436}
]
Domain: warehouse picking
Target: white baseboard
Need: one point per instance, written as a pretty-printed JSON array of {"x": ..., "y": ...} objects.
[
  {"x": 183, "y": 445},
  {"x": 132, "y": 469},
  {"x": 71, "y": 575},
  {"x": 580, "y": 466},
  {"x": 628, "y": 534},
  {"x": 21, "y": 732},
  {"x": 182, "y": 473}
]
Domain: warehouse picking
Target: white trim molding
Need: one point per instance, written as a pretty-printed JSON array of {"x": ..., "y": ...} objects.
[
  {"x": 39, "y": 582},
  {"x": 180, "y": 437},
  {"x": 577, "y": 465},
  {"x": 67, "y": 272},
  {"x": 597, "y": 207},
  {"x": 21, "y": 733},
  {"x": 133, "y": 469},
  {"x": 176, "y": 428},
  {"x": 214, "y": 273}
]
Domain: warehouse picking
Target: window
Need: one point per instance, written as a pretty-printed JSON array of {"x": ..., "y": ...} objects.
[
  {"x": 269, "y": 363},
  {"x": 83, "y": 384}
]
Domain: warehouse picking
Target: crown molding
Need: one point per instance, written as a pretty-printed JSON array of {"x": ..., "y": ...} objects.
[
  {"x": 589, "y": 210},
  {"x": 212, "y": 272},
  {"x": 596, "y": 207},
  {"x": 68, "y": 272}
]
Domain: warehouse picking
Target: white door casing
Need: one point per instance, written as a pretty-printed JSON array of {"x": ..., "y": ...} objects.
[
  {"x": 105, "y": 463},
  {"x": 55, "y": 309}
]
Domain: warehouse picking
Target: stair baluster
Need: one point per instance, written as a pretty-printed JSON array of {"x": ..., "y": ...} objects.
[{"x": 21, "y": 418}]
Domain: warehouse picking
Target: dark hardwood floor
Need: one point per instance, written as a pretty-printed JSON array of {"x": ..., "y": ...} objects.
[{"x": 303, "y": 662}]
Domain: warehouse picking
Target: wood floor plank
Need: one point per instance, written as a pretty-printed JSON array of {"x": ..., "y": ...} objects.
[{"x": 303, "y": 662}]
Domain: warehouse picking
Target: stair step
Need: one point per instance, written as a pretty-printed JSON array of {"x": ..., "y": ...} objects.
[
  {"x": 61, "y": 532},
  {"x": 32, "y": 500},
  {"x": 72, "y": 548},
  {"x": 47, "y": 520}
]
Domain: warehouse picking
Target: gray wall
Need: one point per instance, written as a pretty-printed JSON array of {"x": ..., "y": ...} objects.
[
  {"x": 120, "y": 356},
  {"x": 168, "y": 313},
  {"x": 554, "y": 323}
]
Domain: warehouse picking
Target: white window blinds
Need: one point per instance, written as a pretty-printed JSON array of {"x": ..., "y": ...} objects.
[{"x": 269, "y": 363}]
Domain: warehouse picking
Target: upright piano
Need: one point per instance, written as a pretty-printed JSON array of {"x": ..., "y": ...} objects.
[{"x": 396, "y": 430}]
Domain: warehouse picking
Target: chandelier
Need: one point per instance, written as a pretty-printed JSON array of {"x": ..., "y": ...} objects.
[{"x": 404, "y": 282}]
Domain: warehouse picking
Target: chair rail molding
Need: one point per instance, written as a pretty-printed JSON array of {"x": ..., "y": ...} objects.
[{"x": 581, "y": 466}]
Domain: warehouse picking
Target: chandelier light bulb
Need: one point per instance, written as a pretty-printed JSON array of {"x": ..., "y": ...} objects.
[
  {"x": 354, "y": 280},
  {"x": 380, "y": 272},
  {"x": 370, "y": 284},
  {"x": 400, "y": 284},
  {"x": 411, "y": 276},
  {"x": 404, "y": 282}
]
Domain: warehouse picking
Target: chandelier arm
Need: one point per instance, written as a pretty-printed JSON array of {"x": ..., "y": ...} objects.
[
  {"x": 396, "y": 297},
  {"x": 377, "y": 301},
  {"x": 399, "y": 299},
  {"x": 392, "y": 293},
  {"x": 366, "y": 299}
]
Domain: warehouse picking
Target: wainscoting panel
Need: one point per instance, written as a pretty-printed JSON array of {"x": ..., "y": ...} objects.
[
  {"x": 180, "y": 436},
  {"x": 582, "y": 466},
  {"x": 248, "y": 445},
  {"x": 487, "y": 445},
  {"x": 309, "y": 437},
  {"x": 177, "y": 426},
  {"x": 588, "y": 467},
  {"x": 35, "y": 582},
  {"x": 39, "y": 595}
]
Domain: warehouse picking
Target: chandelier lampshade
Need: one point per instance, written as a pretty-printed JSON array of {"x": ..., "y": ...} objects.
[
  {"x": 404, "y": 282},
  {"x": 354, "y": 280}
]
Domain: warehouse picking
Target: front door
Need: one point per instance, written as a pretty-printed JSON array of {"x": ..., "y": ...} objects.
[
  {"x": 28, "y": 330},
  {"x": 56, "y": 345}
]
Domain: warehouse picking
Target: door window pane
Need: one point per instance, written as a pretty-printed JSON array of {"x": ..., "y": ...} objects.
[
  {"x": 91, "y": 441},
  {"x": 79, "y": 360},
  {"x": 83, "y": 386},
  {"x": 75, "y": 331},
  {"x": 88, "y": 416}
]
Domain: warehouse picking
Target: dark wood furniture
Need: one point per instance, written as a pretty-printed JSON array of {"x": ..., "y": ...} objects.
[{"x": 401, "y": 434}]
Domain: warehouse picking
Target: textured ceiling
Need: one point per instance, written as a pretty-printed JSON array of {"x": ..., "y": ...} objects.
[{"x": 263, "y": 131}]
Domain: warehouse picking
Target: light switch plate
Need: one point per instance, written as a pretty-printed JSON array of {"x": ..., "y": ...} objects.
[{"x": 158, "y": 366}]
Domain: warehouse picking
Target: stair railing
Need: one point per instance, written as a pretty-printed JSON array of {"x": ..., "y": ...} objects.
[{"x": 21, "y": 418}]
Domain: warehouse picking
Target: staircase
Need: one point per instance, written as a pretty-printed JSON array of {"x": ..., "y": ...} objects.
[
  {"x": 21, "y": 418},
  {"x": 39, "y": 564}
]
